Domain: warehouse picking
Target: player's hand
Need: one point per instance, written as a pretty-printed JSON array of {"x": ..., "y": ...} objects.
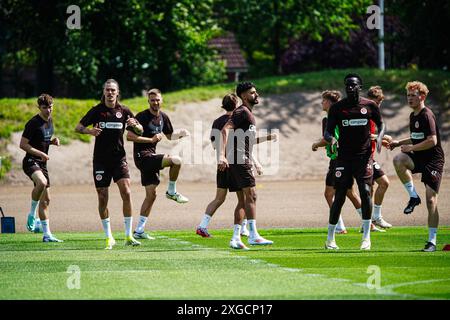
[
  {"x": 55, "y": 141},
  {"x": 95, "y": 131},
  {"x": 394, "y": 144},
  {"x": 388, "y": 138},
  {"x": 314, "y": 147},
  {"x": 44, "y": 157},
  {"x": 273, "y": 137},
  {"x": 223, "y": 164},
  {"x": 385, "y": 143},
  {"x": 132, "y": 122},
  {"x": 157, "y": 137},
  {"x": 406, "y": 148},
  {"x": 183, "y": 133},
  {"x": 259, "y": 169}
]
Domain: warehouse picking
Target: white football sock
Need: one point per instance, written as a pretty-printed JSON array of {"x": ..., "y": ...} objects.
[
  {"x": 366, "y": 229},
  {"x": 172, "y": 188},
  {"x": 409, "y": 186},
  {"x": 340, "y": 225},
  {"x": 46, "y": 227},
  {"x": 237, "y": 232},
  {"x": 34, "y": 205},
  {"x": 376, "y": 214},
  {"x": 244, "y": 224},
  {"x": 205, "y": 221},
  {"x": 128, "y": 223},
  {"x": 141, "y": 224},
  {"x": 107, "y": 227},
  {"x": 331, "y": 231},
  {"x": 432, "y": 235},
  {"x": 252, "y": 228}
]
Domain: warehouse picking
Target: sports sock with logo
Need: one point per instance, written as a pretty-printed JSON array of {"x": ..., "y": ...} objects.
[
  {"x": 205, "y": 221},
  {"x": 141, "y": 224},
  {"x": 409, "y": 186},
  {"x": 376, "y": 212},
  {"x": 331, "y": 231},
  {"x": 432, "y": 235},
  {"x": 128, "y": 223},
  {"x": 172, "y": 188},
  {"x": 107, "y": 227}
]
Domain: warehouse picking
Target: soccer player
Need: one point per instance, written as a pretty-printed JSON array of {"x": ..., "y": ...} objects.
[
  {"x": 155, "y": 123},
  {"x": 421, "y": 152},
  {"x": 243, "y": 123},
  {"x": 223, "y": 179},
  {"x": 375, "y": 94},
  {"x": 352, "y": 116},
  {"x": 36, "y": 140},
  {"x": 110, "y": 119},
  {"x": 328, "y": 98}
]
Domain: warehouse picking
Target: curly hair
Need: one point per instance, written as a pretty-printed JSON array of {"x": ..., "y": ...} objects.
[
  {"x": 417, "y": 85},
  {"x": 229, "y": 102}
]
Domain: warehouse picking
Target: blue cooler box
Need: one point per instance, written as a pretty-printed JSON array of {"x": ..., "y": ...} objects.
[{"x": 8, "y": 223}]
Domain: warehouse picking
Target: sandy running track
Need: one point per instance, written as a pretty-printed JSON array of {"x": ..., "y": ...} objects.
[{"x": 288, "y": 204}]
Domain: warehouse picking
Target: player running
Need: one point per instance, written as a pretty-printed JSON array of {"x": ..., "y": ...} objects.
[
  {"x": 110, "y": 119},
  {"x": 155, "y": 123},
  {"x": 421, "y": 152},
  {"x": 36, "y": 140},
  {"x": 352, "y": 116}
]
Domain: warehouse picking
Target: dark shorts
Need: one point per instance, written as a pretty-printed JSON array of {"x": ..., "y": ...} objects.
[
  {"x": 359, "y": 168},
  {"x": 242, "y": 175},
  {"x": 30, "y": 165},
  {"x": 377, "y": 171},
  {"x": 225, "y": 180},
  {"x": 104, "y": 171},
  {"x": 150, "y": 167},
  {"x": 431, "y": 173},
  {"x": 330, "y": 179}
]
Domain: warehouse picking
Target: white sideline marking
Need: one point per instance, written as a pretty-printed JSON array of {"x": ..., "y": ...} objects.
[{"x": 385, "y": 290}]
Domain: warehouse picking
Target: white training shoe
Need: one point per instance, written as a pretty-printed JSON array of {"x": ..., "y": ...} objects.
[
  {"x": 365, "y": 244},
  {"x": 130, "y": 241},
  {"x": 142, "y": 235},
  {"x": 373, "y": 228},
  {"x": 259, "y": 241},
  {"x": 331, "y": 245},
  {"x": 245, "y": 232},
  {"x": 380, "y": 222},
  {"x": 237, "y": 244}
]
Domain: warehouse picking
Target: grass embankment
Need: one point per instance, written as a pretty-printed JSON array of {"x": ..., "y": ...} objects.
[{"x": 14, "y": 113}]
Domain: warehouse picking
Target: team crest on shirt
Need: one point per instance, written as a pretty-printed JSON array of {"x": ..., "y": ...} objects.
[
  {"x": 376, "y": 166},
  {"x": 363, "y": 111},
  {"x": 338, "y": 174},
  {"x": 98, "y": 177},
  {"x": 118, "y": 115},
  {"x": 416, "y": 125},
  {"x": 252, "y": 128}
]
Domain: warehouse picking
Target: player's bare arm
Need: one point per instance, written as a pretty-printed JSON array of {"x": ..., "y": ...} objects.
[
  {"x": 94, "y": 131},
  {"x": 428, "y": 143},
  {"x": 131, "y": 136},
  {"x": 397, "y": 143},
  {"x": 135, "y": 125},
  {"x": 319, "y": 144},
  {"x": 178, "y": 134},
  {"x": 223, "y": 162},
  {"x": 25, "y": 145}
]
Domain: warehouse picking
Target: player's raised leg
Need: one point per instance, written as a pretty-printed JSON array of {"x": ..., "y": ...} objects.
[{"x": 174, "y": 162}]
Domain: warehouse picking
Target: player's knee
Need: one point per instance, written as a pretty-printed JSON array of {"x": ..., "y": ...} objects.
[
  {"x": 431, "y": 202},
  {"x": 399, "y": 160},
  {"x": 41, "y": 183},
  {"x": 151, "y": 194},
  {"x": 384, "y": 184},
  {"x": 176, "y": 160}
]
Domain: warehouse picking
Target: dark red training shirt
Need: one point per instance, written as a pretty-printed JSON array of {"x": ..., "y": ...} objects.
[{"x": 39, "y": 133}]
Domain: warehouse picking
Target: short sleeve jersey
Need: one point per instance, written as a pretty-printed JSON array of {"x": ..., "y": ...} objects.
[
  {"x": 353, "y": 122},
  {"x": 421, "y": 126},
  {"x": 112, "y": 121},
  {"x": 39, "y": 133},
  {"x": 244, "y": 133},
  {"x": 152, "y": 125}
]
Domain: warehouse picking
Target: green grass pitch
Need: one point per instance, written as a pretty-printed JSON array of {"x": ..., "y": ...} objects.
[{"x": 182, "y": 265}]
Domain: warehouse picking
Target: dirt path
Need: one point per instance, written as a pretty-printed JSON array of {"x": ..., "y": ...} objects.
[{"x": 289, "y": 204}]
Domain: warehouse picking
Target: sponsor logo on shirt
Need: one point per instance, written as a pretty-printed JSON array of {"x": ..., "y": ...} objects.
[
  {"x": 417, "y": 135},
  {"x": 363, "y": 111},
  {"x": 354, "y": 122},
  {"x": 110, "y": 125}
]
